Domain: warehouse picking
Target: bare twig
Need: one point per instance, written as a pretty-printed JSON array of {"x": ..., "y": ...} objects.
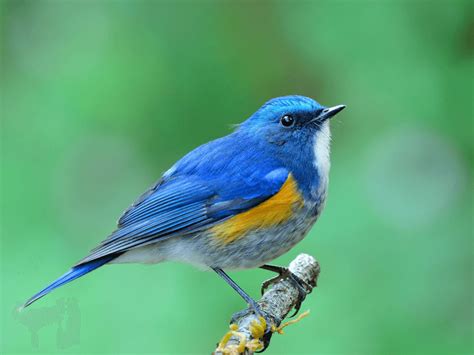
[{"x": 247, "y": 330}]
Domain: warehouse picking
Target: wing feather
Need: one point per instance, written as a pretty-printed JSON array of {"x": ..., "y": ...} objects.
[
  {"x": 185, "y": 205},
  {"x": 167, "y": 197}
]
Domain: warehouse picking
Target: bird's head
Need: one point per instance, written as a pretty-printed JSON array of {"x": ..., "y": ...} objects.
[
  {"x": 295, "y": 130},
  {"x": 288, "y": 118},
  {"x": 292, "y": 123}
]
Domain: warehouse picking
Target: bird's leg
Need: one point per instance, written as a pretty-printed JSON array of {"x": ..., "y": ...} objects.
[
  {"x": 285, "y": 274},
  {"x": 256, "y": 308}
]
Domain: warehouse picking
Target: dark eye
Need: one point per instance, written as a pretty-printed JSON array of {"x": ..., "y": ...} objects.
[{"x": 287, "y": 121}]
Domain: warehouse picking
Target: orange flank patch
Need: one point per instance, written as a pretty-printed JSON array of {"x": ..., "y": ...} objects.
[{"x": 275, "y": 210}]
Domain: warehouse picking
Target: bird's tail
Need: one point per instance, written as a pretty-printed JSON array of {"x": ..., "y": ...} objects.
[{"x": 72, "y": 274}]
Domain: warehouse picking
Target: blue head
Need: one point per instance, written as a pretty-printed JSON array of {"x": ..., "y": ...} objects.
[
  {"x": 296, "y": 130},
  {"x": 290, "y": 119}
]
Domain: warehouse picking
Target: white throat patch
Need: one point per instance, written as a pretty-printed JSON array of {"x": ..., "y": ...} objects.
[{"x": 322, "y": 163}]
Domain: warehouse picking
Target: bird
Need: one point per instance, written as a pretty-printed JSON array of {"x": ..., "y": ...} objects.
[{"x": 236, "y": 202}]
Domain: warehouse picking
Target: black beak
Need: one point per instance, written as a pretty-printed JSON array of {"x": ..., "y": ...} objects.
[{"x": 329, "y": 112}]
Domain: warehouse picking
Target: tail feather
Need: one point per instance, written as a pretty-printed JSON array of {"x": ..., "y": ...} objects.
[{"x": 72, "y": 274}]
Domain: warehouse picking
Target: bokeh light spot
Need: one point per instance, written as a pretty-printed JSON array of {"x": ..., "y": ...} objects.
[{"x": 413, "y": 177}]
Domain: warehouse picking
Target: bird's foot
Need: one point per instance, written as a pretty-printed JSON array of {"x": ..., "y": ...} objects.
[
  {"x": 285, "y": 274},
  {"x": 265, "y": 321}
]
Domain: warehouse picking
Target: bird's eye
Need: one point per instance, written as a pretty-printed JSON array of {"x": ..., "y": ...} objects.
[{"x": 287, "y": 121}]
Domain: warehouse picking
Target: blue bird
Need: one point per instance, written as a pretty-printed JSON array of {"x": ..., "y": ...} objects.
[{"x": 234, "y": 203}]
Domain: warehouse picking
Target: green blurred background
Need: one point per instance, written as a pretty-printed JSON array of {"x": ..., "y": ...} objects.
[{"x": 100, "y": 97}]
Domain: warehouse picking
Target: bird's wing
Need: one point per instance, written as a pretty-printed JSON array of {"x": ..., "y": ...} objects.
[{"x": 187, "y": 204}]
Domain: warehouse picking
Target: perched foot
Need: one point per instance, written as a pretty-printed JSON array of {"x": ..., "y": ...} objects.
[
  {"x": 284, "y": 274},
  {"x": 251, "y": 302},
  {"x": 260, "y": 314}
]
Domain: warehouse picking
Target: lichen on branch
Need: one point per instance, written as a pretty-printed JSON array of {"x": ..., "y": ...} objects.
[{"x": 247, "y": 331}]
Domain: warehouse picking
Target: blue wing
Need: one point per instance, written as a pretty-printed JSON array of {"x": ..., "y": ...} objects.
[{"x": 212, "y": 183}]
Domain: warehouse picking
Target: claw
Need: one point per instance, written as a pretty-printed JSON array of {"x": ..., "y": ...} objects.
[
  {"x": 303, "y": 289},
  {"x": 260, "y": 314},
  {"x": 285, "y": 274},
  {"x": 269, "y": 282}
]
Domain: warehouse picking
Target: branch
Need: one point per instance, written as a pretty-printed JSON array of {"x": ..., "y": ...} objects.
[{"x": 247, "y": 331}]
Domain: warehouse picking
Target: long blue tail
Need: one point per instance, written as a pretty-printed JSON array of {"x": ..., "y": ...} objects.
[{"x": 74, "y": 273}]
